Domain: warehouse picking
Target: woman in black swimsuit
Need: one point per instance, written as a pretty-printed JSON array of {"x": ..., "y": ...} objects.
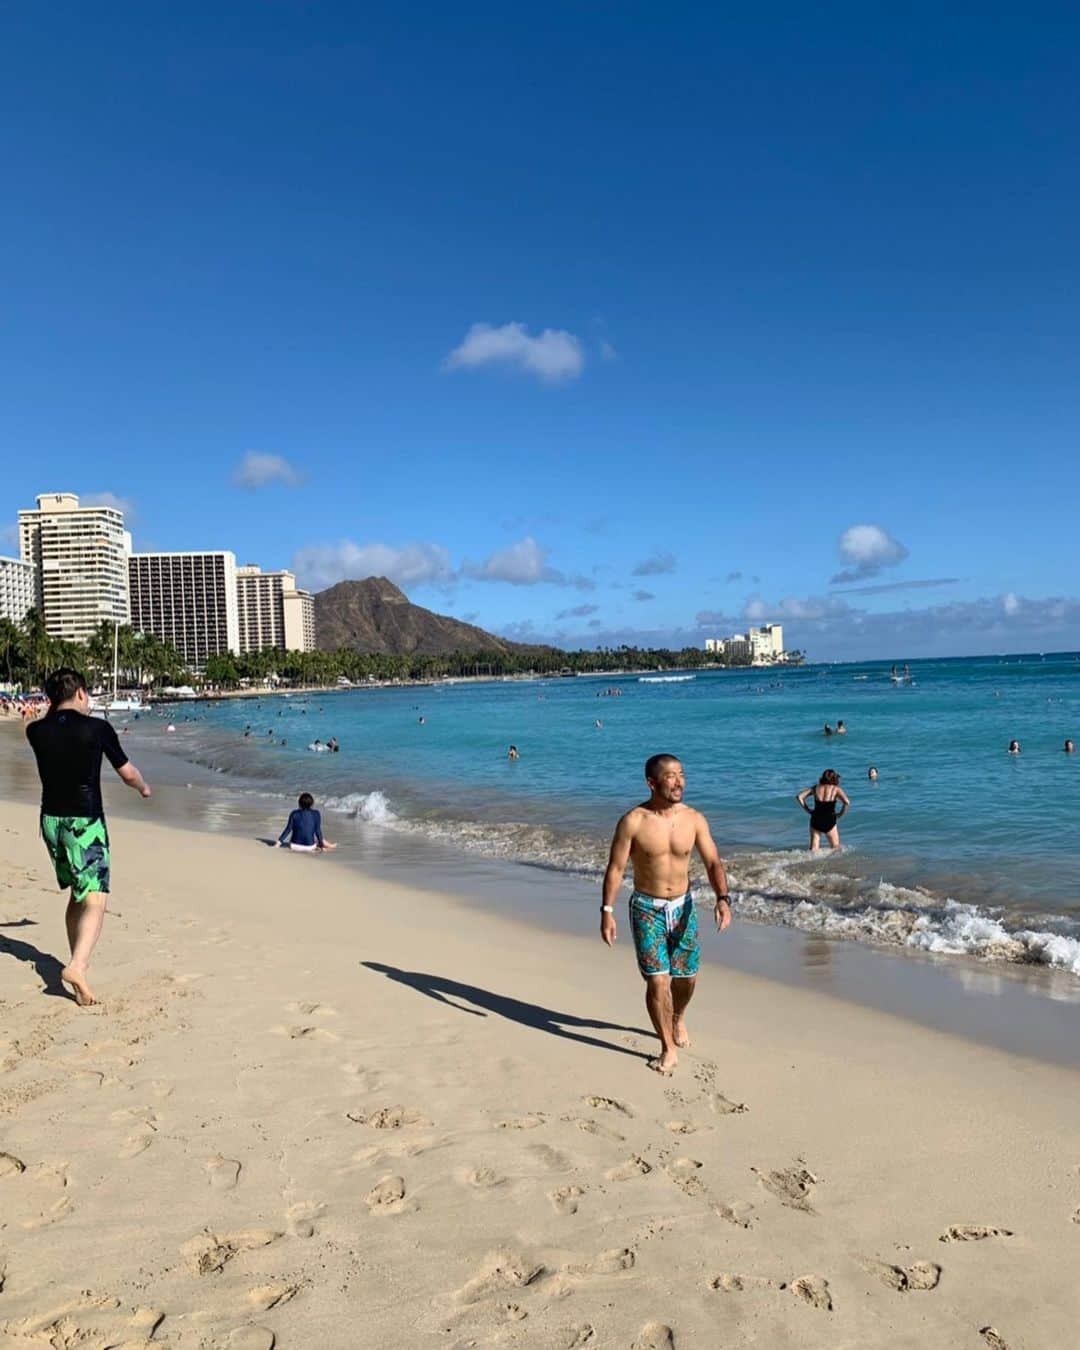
[{"x": 826, "y": 797}]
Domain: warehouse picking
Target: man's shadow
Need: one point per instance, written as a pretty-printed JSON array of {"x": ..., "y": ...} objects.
[
  {"x": 533, "y": 1015},
  {"x": 48, "y": 967}
]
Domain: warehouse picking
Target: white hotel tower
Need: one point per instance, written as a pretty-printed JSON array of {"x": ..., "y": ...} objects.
[{"x": 80, "y": 560}]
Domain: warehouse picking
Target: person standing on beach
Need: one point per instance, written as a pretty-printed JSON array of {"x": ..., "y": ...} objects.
[
  {"x": 658, "y": 836},
  {"x": 68, "y": 744}
]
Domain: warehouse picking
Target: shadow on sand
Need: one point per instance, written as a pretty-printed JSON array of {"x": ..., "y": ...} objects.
[
  {"x": 514, "y": 1009},
  {"x": 48, "y": 967}
]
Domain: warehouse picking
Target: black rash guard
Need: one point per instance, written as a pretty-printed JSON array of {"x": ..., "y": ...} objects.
[{"x": 69, "y": 746}]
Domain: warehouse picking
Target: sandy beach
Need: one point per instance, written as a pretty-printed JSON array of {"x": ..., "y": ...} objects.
[{"x": 319, "y": 1110}]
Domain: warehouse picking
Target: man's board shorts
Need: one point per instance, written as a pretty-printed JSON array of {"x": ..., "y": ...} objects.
[
  {"x": 665, "y": 935},
  {"x": 79, "y": 849}
]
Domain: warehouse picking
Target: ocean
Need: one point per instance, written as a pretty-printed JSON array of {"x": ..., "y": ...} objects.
[{"x": 958, "y": 848}]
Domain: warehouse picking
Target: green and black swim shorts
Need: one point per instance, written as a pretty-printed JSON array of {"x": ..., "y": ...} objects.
[{"x": 79, "y": 849}]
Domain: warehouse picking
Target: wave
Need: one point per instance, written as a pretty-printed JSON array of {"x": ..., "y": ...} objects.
[
  {"x": 664, "y": 679},
  {"x": 787, "y": 888}
]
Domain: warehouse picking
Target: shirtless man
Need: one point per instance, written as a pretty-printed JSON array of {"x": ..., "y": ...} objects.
[
  {"x": 69, "y": 745},
  {"x": 659, "y": 836}
]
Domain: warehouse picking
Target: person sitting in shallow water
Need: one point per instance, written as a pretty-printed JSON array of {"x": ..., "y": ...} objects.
[{"x": 303, "y": 831}]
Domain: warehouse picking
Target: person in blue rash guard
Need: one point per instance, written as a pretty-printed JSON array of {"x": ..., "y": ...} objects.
[{"x": 303, "y": 832}]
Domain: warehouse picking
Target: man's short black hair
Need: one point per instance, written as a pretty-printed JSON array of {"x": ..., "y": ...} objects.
[
  {"x": 655, "y": 763},
  {"x": 307, "y": 801},
  {"x": 63, "y": 684}
]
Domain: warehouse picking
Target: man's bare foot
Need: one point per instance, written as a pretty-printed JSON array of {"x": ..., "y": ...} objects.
[
  {"x": 664, "y": 1063},
  {"x": 680, "y": 1033},
  {"x": 77, "y": 979}
]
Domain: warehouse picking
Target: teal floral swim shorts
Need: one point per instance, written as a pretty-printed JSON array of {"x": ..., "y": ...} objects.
[{"x": 665, "y": 935}]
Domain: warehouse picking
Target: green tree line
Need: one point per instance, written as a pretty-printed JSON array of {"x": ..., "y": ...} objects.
[{"x": 28, "y": 653}]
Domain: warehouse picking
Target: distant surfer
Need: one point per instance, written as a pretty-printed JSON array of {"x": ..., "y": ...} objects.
[
  {"x": 658, "y": 837},
  {"x": 827, "y": 795}
]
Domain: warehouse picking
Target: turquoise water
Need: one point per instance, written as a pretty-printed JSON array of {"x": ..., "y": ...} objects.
[{"x": 958, "y": 847}]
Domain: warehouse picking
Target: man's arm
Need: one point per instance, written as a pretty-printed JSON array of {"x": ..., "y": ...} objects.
[
  {"x": 613, "y": 876},
  {"x": 133, "y": 778},
  {"x": 714, "y": 866}
]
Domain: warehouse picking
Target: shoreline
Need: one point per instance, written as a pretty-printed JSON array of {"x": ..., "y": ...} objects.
[
  {"x": 1031, "y": 1011},
  {"x": 330, "y": 1073}
]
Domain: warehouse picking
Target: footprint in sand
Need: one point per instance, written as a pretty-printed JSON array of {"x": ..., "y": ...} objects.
[
  {"x": 549, "y": 1158},
  {"x": 971, "y": 1232},
  {"x": 608, "y": 1104},
  {"x": 1076, "y": 1217},
  {"x": 530, "y": 1122},
  {"x": 740, "y": 1284},
  {"x": 566, "y": 1198},
  {"x": 813, "y": 1289},
  {"x": 919, "y": 1275},
  {"x": 306, "y": 1033},
  {"x": 10, "y": 1166},
  {"x": 654, "y": 1336},
  {"x": 738, "y": 1214},
  {"x": 388, "y": 1117},
  {"x": 209, "y": 1252},
  {"x": 251, "y": 1338},
  {"x": 53, "y": 1178},
  {"x": 594, "y": 1127},
  {"x": 500, "y": 1270},
  {"x": 222, "y": 1173},
  {"x": 571, "y": 1338},
  {"x": 611, "y": 1262},
  {"x": 792, "y": 1186},
  {"x": 311, "y": 1009},
  {"x": 633, "y": 1167},
  {"x": 681, "y": 1127},
  {"x": 387, "y": 1197},
  {"x": 993, "y": 1338},
  {"x": 138, "y": 1141},
  {"x": 720, "y": 1105},
  {"x": 300, "y": 1218},
  {"x": 480, "y": 1178},
  {"x": 267, "y": 1296},
  {"x": 683, "y": 1172}
]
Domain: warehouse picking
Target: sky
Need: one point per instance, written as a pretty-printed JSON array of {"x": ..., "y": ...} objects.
[{"x": 586, "y": 322}]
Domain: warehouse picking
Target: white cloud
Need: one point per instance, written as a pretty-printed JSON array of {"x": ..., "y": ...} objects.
[
  {"x": 578, "y": 612},
  {"x": 256, "y": 470},
  {"x": 867, "y": 549},
  {"x": 553, "y": 355},
  {"x": 654, "y": 566},
  {"x": 523, "y": 564},
  {"x": 813, "y": 607},
  {"x": 608, "y": 352},
  {"x": 323, "y": 565},
  {"x": 1010, "y": 603},
  {"x": 124, "y": 504}
]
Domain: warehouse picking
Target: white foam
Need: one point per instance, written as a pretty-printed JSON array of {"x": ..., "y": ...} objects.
[
  {"x": 664, "y": 679},
  {"x": 372, "y": 807}
]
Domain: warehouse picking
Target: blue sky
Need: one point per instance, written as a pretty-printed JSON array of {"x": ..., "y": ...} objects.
[{"x": 595, "y": 321}]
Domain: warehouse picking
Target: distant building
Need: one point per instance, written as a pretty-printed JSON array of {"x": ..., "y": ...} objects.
[
  {"x": 760, "y": 646},
  {"x": 18, "y": 587},
  {"x": 80, "y": 560},
  {"x": 273, "y": 611},
  {"x": 187, "y": 599}
]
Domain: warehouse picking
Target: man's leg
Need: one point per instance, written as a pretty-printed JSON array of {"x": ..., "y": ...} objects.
[
  {"x": 659, "y": 1006},
  {"x": 84, "y": 919},
  {"x": 682, "y": 991}
]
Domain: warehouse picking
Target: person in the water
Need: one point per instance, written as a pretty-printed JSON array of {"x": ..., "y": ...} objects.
[
  {"x": 1069, "y": 748},
  {"x": 826, "y": 796}
]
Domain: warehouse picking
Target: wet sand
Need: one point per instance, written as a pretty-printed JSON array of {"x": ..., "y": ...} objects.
[{"x": 322, "y": 1108}]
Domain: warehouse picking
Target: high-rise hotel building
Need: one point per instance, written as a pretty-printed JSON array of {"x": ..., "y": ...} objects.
[
  {"x": 274, "y": 612},
  {"x": 17, "y": 589},
  {"x": 187, "y": 599},
  {"x": 80, "y": 559}
]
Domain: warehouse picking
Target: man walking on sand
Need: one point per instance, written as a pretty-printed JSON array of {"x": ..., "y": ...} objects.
[
  {"x": 659, "y": 836},
  {"x": 68, "y": 744}
]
